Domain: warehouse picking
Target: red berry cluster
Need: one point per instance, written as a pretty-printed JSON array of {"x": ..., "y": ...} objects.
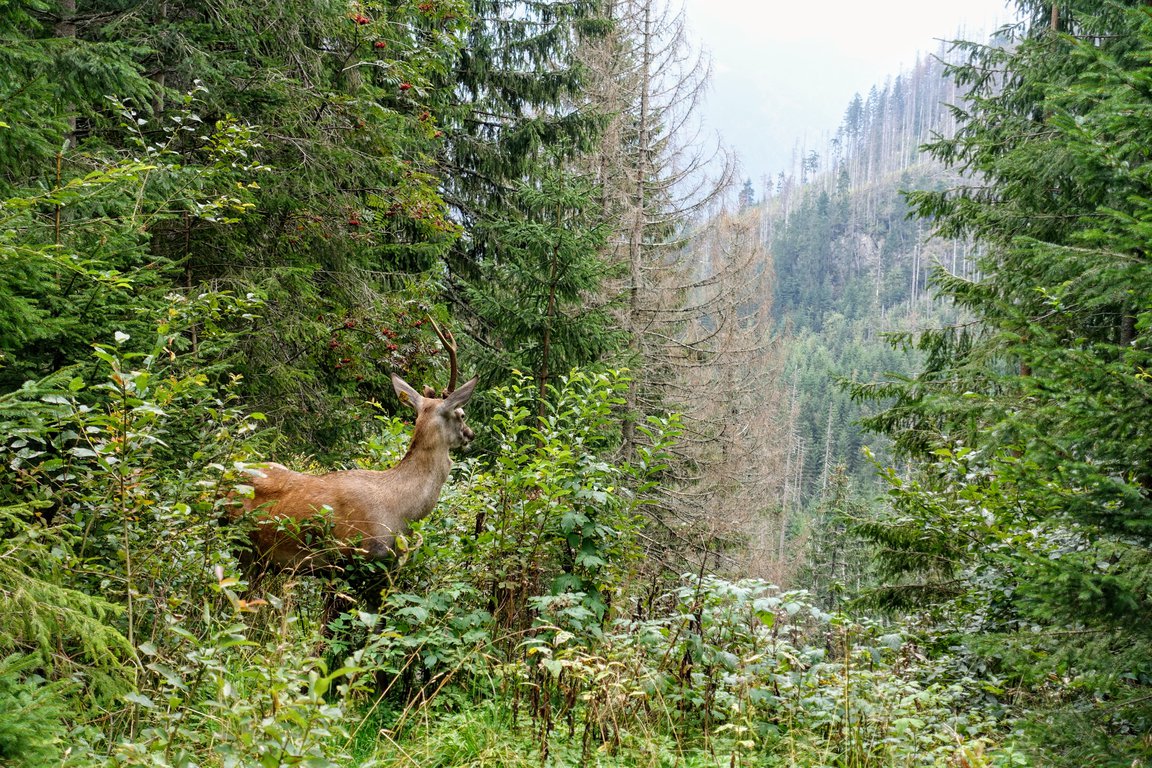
[
  {"x": 390, "y": 334},
  {"x": 402, "y": 331}
]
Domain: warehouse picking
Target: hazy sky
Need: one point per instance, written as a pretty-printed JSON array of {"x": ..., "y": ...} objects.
[{"x": 785, "y": 70}]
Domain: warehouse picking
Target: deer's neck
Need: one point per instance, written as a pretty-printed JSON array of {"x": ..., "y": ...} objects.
[
  {"x": 426, "y": 469},
  {"x": 433, "y": 461}
]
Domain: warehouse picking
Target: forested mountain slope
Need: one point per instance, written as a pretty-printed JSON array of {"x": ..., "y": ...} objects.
[{"x": 852, "y": 265}]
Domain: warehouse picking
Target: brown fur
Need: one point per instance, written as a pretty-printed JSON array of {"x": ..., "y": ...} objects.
[{"x": 368, "y": 508}]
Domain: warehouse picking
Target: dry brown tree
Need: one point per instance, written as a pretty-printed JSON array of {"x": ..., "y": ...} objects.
[{"x": 694, "y": 293}]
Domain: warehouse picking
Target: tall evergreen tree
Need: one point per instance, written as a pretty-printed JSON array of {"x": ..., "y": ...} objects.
[
  {"x": 1033, "y": 514},
  {"x": 514, "y": 111},
  {"x": 543, "y": 273},
  {"x": 51, "y": 77},
  {"x": 513, "y": 106}
]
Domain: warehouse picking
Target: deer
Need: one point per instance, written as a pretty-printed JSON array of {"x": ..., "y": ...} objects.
[{"x": 367, "y": 509}]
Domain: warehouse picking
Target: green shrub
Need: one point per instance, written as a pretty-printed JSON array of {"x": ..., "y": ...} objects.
[{"x": 212, "y": 696}]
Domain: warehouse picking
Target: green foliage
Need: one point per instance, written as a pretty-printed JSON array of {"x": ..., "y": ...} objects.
[
  {"x": 720, "y": 673},
  {"x": 850, "y": 264},
  {"x": 820, "y": 367},
  {"x": 46, "y": 618},
  {"x": 421, "y": 642},
  {"x": 543, "y": 262},
  {"x": 737, "y": 673},
  {"x": 838, "y": 564},
  {"x": 76, "y": 255},
  {"x": 849, "y": 252},
  {"x": 510, "y": 103},
  {"x": 31, "y": 731},
  {"x": 322, "y": 119},
  {"x": 134, "y": 466},
  {"x": 553, "y": 515},
  {"x": 214, "y": 694},
  {"x": 309, "y": 170},
  {"x": 518, "y": 123},
  {"x": 49, "y": 79},
  {"x": 111, "y": 502}
]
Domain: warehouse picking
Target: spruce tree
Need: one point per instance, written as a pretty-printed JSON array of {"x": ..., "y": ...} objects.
[
  {"x": 1032, "y": 514},
  {"x": 543, "y": 270},
  {"x": 515, "y": 112},
  {"x": 514, "y": 96},
  {"x": 321, "y": 116}
]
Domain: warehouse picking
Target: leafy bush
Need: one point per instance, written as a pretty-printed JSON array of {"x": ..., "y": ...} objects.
[
  {"x": 213, "y": 696},
  {"x": 743, "y": 670},
  {"x": 553, "y": 514},
  {"x": 423, "y": 641}
]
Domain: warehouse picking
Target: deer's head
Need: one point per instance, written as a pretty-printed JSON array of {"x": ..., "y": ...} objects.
[{"x": 439, "y": 421}]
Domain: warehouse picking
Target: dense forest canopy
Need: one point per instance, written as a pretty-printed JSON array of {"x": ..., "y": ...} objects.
[{"x": 846, "y": 468}]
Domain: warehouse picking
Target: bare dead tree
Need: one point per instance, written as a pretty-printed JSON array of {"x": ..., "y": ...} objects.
[{"x": 694, "y": 287}]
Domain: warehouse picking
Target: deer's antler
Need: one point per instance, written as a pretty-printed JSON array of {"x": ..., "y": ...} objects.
[{"x": 449, "y": 342}]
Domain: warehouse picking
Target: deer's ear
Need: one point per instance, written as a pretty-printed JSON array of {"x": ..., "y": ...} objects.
[
  {"x": 462, "y": 395},
  {"x": 405, "y": 392}
]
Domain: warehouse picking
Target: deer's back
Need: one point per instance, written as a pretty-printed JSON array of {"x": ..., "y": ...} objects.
[{"x": 368, "y": 508}]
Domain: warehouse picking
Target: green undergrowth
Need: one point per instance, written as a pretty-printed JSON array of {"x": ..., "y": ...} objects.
[
  {"x": 512, "y": 628},
  {"x": 736, "y": 673},
  {"x": 486, "y": 735}
]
